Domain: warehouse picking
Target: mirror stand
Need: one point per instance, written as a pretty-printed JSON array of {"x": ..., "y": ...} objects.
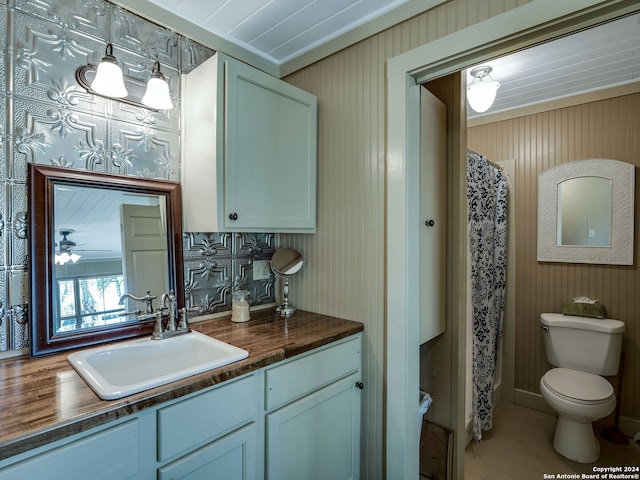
[
  {"x": 286, "y": 309},
  {"x": 285, "y": 263}
]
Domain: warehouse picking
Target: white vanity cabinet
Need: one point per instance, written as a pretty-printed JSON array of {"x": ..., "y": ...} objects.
[
  {"x": 212, "y": 433},
  {"x": 249, "y": 151},
  {"x": 110, "y": 452},
  {"x": 295, "y": 419},
  {"x": 312, "y": 425}
]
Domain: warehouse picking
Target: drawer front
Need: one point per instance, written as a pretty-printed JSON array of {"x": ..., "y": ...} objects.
[
  {"x": 201, "y": 418},
  {"x": 111, "y": 454},
  {"x": 303, "y": 375}
]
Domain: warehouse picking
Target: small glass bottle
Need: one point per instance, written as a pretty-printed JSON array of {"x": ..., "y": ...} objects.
[{"x": 240, "y": 306}]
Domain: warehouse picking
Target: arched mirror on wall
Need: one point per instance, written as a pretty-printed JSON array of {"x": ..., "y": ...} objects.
[
  {"x": 586, "y": 212},
  {"x": 94, "y": 238}
]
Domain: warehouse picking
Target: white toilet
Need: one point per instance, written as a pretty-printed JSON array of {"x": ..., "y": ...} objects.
[{"x": 582, "y": 349}]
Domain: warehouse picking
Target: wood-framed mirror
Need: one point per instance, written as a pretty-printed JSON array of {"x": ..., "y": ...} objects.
[{"x": 93, "y": 238}]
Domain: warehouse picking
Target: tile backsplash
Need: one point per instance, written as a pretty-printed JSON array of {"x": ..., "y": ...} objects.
[{"x": 48, "y": 118}]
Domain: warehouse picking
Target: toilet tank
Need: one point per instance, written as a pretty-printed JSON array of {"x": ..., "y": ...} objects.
[{"x": 586, "y": 344}]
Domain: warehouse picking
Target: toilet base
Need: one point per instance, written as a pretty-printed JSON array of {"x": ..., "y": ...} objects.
[{"x": 576, "y": 440}]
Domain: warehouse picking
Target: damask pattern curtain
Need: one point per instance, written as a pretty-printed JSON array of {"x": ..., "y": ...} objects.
[{"x": 487, "y": 222}]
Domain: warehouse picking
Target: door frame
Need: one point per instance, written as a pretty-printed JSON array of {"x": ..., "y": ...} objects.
[{"x": 535, "y": 22}]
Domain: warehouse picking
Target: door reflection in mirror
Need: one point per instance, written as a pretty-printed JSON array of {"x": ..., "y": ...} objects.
[{"x": 584, "y": 212}]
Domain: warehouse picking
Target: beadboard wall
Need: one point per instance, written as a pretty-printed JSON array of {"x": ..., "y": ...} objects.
[
  {"x": 607, "y": 128},
  {"x": 345, "y": 273}
]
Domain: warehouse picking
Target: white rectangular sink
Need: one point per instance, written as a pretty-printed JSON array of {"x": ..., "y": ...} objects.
[{"x": 115, "y": 371}]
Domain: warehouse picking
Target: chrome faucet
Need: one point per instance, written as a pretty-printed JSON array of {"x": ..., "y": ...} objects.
[
  {"x": 168, "y": 301},
  {"x": 173, "y": 309},
  {"x": 148, "y": 299}
]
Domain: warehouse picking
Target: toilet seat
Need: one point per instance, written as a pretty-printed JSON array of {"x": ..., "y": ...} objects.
[{"x": 579, "y": 387}]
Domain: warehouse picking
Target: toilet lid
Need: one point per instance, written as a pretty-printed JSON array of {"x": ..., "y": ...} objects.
[{"x": 579, "y": 385}]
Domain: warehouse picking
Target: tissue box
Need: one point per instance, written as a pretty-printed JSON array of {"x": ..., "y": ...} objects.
[{"x": 592, "y": 310}]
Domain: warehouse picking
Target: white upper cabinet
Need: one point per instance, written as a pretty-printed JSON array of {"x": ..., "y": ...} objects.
[{"x": 249, "y": 151}]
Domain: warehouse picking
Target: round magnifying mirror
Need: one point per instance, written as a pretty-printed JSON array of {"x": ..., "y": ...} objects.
[{"x": 285, "y": 263}]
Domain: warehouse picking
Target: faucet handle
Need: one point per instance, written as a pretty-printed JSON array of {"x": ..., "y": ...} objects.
[
  {"x": 148, "y": 298},
  {"x": 184, "y": 322},
  {"x": 158, "y": 331}
]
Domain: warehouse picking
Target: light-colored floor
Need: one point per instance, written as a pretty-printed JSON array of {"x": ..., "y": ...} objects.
[{"x": 519, "y": 447}]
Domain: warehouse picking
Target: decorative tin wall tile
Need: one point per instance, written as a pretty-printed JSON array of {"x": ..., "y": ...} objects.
[
  {"x": 55, "y": 121},
  {"x": 255, "y": 245},
  {"x": 3, "y": 138},
  {"x": 4, "y": 236},
  {"x": 46, "y": 58},
  {"x": 5, "y": 318},
  {"x": 197, "y": 245},
  {"x": 3, "y": 50},
  {"x": 16, "y": 230},
  {"x": 193, "y": 54},
  {"x": 208, "y": 284},
  {"x": 58, "y": 136},
  {"x": 143, "y": 37},
  {"x": 262, "y": 291},
  {"x": 19, "y": 327},
  {"x": 85, "y": 16},
  {"x": 144, "y": 152}
]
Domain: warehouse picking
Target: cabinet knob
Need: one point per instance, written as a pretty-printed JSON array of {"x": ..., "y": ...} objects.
[
  {"x": 233, "y": 216},
  {"x": 360, "y": 385},
  {"x": 429, "y": 223}
]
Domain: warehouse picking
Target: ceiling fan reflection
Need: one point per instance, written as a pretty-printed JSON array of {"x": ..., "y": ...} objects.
[{"x": 67, "y": 249}]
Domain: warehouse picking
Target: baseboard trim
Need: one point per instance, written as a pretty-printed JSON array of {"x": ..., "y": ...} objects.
[{"x": 629, "y": 426}]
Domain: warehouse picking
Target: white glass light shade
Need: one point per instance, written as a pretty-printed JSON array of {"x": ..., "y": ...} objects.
[
  {"x": 157, "y": 94},
  {"x": 109, "y": 80},
  {"x": 64, "y": 257},
  {"x": 481, "y": 94}
]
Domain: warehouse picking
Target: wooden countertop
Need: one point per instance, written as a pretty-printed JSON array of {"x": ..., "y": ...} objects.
[{"x": 44, "y": 399}]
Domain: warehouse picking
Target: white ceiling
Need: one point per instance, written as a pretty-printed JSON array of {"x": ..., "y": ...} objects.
[
  {"x": 290, "y": 34},
  {"x": 279, "y": 30},
  {"x": 598, "y": 58}
]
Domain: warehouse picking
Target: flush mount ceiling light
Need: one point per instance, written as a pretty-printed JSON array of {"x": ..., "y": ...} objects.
[
  {"x": 107, "y": 80},
  {"x": 482, "y": 92}
]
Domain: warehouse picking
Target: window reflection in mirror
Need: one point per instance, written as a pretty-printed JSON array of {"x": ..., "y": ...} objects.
[{"x": 584, "y": 212}]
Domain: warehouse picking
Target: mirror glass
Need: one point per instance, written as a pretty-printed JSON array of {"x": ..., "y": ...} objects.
[
  {"x": 286, "y": 263},
  {"x": 584, "y": 212},
  {"x": 95, "y": 237},
  {"x": 99, "y": 237}
]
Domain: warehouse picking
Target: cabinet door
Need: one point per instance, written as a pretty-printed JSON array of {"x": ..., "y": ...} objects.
[
  {"x": 230, "y": 458},
  {"x": 110, "y": 454},
  {"x": 270, "y": 153},
  {"x": 318, "y": 436}
]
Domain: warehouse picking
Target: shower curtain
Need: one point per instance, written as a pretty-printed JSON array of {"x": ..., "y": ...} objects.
[{"x": 487, "y": 199}]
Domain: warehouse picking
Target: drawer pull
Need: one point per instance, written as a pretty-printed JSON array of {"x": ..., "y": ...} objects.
[
  {"x": 233, "y": 216},
  {"x": 360, "y": 385}
]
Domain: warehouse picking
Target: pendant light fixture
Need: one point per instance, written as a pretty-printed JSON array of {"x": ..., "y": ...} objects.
[
  {"x": 109, "y": 80},
  {"x": 481, "y": 93},
  {"x": 157, "y": 93}
]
